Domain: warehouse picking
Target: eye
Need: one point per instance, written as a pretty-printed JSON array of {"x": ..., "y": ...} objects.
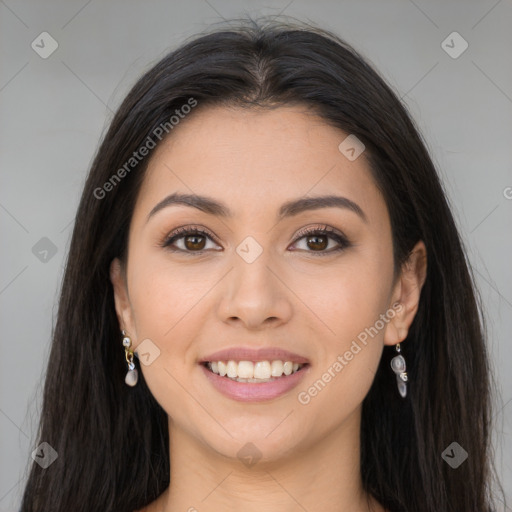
[
  {"x": 318, "y": 238},
  {"x": 194, "y": 239}
]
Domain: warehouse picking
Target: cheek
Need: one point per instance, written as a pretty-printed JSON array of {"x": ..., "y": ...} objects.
[
  {"x": 164, "y": 293},
  {"x": 349, "y": 295},
  {"x": 348, "y": 359},
  {"x": 350, "y": 303},
  {"x": 166, "y": 306}
]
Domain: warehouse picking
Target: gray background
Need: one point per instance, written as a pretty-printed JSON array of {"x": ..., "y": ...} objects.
[{"x": 54, "y": 110}]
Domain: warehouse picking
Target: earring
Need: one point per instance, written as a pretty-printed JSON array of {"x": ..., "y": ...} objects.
[
  {"x": 398, "y": 366},
  {"x": 132, "y": 375}
]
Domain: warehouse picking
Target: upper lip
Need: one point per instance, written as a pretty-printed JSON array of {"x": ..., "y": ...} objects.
[{"x": 251, "y": 354}]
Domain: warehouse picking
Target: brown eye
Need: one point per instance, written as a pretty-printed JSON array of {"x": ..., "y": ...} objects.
[
  {"x": 316, "y": 244},
  {"x": 191, "y": 242},
  {"x": 317, "y": 240},
  {"x": 194, "y": 240}
]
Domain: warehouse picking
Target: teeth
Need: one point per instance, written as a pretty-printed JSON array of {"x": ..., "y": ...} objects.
[
  {"x": 262, "y": 370},
  {"x": 248, "y": 371},
  {"x": 231, "y": 369}
]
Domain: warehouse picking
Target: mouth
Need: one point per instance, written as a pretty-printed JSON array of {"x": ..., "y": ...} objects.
[
  {"x": 254, "y": 381},
  {"x": 254, "y": 371}
]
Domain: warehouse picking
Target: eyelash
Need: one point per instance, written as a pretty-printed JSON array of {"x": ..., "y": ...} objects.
[{"x": 324, "y": 230}]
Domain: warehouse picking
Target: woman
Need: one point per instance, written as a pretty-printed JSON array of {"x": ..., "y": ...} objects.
[{"x": 264, "y": 229}]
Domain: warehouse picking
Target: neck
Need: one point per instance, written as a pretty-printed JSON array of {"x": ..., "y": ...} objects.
[{"x": 324, "y": 475}]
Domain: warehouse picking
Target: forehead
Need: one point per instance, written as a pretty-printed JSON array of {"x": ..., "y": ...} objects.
[{"x": 251, "y": 158}]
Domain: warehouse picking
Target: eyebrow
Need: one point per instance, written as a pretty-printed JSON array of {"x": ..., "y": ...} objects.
[{"x": 288, "y": 209}]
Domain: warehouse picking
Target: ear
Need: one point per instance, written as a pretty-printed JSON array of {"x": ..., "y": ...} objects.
[
  {"x": 407, "y": 292},
  {"x": 121, "y": 298}
]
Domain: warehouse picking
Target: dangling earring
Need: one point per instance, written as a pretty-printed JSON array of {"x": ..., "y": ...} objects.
[
  {"x": 132, "y": 375},
  {"x": 398, "y": 366}
]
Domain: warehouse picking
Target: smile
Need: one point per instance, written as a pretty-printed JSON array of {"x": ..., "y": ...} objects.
[
  {"x": 249, "y": 371},
  {"x": 276, "y": 378}
]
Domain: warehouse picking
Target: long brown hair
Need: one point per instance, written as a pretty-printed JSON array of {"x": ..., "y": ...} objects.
[{"x": 112, "y": 440}]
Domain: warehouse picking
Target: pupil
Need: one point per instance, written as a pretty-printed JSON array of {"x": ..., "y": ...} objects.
[
  {"x": 194, "y": 244},
  {"x": 316, "y": 237}
]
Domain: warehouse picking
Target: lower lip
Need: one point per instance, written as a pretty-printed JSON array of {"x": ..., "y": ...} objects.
[{"x": 254, "y": 391}]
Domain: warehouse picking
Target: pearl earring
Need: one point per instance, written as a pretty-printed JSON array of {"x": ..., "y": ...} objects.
[
  {"x": 398, "y": 366},
  {"x": 132, "y": 375}
]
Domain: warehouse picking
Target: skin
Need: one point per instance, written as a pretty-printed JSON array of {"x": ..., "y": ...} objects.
[{"x": 190, "y": 305}]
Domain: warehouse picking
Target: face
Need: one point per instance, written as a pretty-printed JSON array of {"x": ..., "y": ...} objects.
[{"x": 257, "y": 279}]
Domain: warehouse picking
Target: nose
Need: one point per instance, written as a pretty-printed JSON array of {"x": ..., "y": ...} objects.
[{"x": 255, "y": 295}]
